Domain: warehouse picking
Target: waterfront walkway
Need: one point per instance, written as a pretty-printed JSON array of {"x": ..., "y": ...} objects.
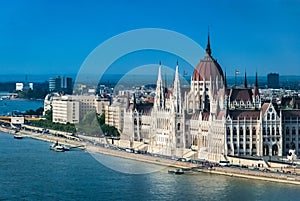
[{"x": 191, "y": 167}]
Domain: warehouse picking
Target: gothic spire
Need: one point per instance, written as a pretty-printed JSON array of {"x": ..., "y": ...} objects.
[
  {"x": 208, "y": 50},
  {"x": 256, "y": 91},
  {"x": 245, "y": 81},
  {"x": 256, "y": 80},
  {"x": 177, "y": 91},
  {"x": 159, "y": 93}
]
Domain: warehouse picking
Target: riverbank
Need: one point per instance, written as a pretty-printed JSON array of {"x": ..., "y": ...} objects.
[{"x": 236, "y": 172}]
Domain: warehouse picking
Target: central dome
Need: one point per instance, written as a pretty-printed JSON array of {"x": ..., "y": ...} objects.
[{"x": 208, "y": 68}]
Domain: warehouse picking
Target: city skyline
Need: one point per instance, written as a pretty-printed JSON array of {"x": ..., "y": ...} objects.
[{"x": 41, "y": 37}]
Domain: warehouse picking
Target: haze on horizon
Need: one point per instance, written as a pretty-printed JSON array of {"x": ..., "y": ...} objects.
[{"x": 55, "y": 37}]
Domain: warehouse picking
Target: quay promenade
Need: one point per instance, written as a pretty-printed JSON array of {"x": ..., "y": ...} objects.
[{"x": 187, "y": 166}]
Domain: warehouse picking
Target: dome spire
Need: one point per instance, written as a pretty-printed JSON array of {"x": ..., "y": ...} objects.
[{"x": 208, "y": 50}]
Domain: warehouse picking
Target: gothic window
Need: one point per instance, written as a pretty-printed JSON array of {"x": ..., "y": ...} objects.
[
  {"x": 228, "y": 131},
  {"x": 273, "y": 116},
  {"x": 253, "y": 131},
  {"x": 135, "y": 122},
  {"x": 264, "y": 131},
  {"x": 178, "y": 126},
  {"x": 287, "y": 131},
  {"x": 269, "y": 131},
  {"x": 277, "y": 131},
  {"x": 268, "y": 116},
  {"x": 241, "y": 131},
  {"x": 273, "y": 130},
  {"x": 247, "y": 131},
  {"x": 234, "y": 130},
  {"x": 293, "y": 131}
]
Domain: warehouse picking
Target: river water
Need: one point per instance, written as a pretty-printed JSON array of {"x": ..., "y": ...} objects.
[
  {"x": 8, "y": 106},
  {"x": 30, "y": 171}
]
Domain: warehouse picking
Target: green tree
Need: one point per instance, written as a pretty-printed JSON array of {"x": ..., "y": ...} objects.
[{"x": 49, "y": 114}]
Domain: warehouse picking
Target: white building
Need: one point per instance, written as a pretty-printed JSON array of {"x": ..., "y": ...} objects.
[
  {"x": 19, "y": 86},
  {"x": 65, "y": 110},
  {"x": 72, "y": 108},
  {"x": 210, "y": 121},
  {"x": 114, "y": 114}
]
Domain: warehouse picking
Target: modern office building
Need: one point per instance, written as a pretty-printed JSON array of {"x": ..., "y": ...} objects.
[
  {"x": 72, "y": 108},
  {"x": 61, "y": 84},
  {"x": 65, "y": 109}
]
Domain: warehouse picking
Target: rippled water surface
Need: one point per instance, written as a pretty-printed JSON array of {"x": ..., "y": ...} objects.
[{"x": 30, "y": 171}]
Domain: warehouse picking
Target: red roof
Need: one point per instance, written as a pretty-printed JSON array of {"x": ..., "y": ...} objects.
[
  {"x": 241, "y": 114},
  {"x": 207, "y": 69},
  {"x": 264, "y": 107},
  {"x": 240, "y": 94}
]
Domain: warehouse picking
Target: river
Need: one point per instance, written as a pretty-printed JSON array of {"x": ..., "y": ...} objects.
[{"x": 30, "y": 171}]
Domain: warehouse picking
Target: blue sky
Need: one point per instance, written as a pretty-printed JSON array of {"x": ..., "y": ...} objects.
[{"x": 40, "y": 37}]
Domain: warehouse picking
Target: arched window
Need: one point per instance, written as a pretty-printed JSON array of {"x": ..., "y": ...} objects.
[
  {"x": 234, "y": 130},
  {"x": 178, "y": 126},
  {"x": 273, "y": 116},
  {"x": 228, "y": 131},
  {"x": 253, "y": 131},
  {"x": 268, "y": 116},
  {"x": 264, "y": 131},
  {"x": 247, "y": 131},
  {"x": 293, "y": 131},
  {"x": 287, "y": 131},
  {"x": 241, "y": 131}
]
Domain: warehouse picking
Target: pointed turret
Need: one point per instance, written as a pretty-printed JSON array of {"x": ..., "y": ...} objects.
[
  {"x": 256, "y": 95},
  {"x": 159, "y": 93},
  {"x": 245, "y": 81},
  {"x": 177, "y": 92},
  {"x": 208, "y": 50},
  {"x": 256, "y": 91}
]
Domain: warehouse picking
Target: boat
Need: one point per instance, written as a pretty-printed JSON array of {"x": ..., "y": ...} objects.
[
  {"x": 177, "y": 171},
  {"x": 18, "y": 137},
  {"x": 59, "y": 148}
]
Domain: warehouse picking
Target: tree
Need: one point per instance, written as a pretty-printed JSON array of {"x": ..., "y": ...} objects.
[
  {"x": 49, "y": 114},
  {"x": 101, "y": 119}
]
